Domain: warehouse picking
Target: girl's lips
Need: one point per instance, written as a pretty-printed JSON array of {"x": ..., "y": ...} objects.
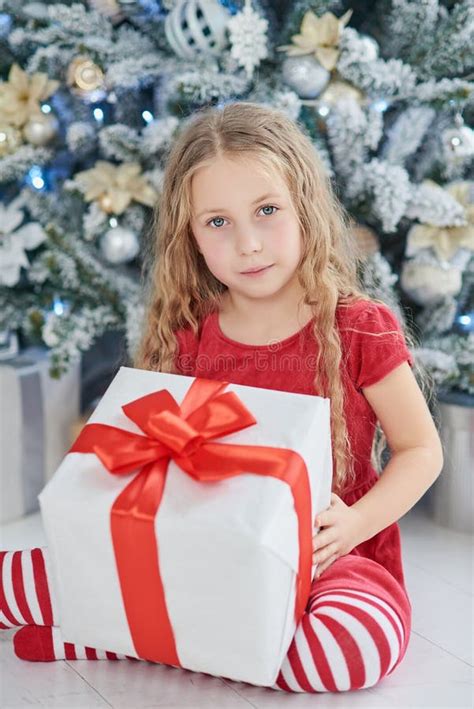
[{"x": 256, "y": 273}]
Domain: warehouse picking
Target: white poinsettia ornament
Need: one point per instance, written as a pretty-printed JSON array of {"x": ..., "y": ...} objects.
[
  {"x": 248, "y": 38},
  {"x": 14, "y": 240}
]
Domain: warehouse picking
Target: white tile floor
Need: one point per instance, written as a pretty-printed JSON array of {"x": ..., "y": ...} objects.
[{"x": 437, "y": 670}]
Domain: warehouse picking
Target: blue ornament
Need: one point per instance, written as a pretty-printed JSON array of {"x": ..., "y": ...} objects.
[{"x": 232, "y": 7}]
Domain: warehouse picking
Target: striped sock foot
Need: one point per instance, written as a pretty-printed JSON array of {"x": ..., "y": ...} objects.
[
  {"x": 348, "y": 640},
  {"x": 42, "y": 644},
  {"x": 25, "y": 595}
]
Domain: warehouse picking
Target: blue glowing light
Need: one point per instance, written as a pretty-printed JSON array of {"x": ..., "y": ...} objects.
[
  {"x": 35, "y": 178},
  {"x": 380, "y": 105},
  {"x": 465, "y": 322},
  {"x": 98, "y": 114},
  {"x": 45, "y": 108},
  {"x": 147, "y": 116},
  {"x": 58, "y": 306}
]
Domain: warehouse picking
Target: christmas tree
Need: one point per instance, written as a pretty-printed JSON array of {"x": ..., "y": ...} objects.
[{"x": 93, "y": 93}]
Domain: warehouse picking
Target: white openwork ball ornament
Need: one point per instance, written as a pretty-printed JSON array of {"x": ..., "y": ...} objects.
[
  {"x": 119, "y": 245},
  {"x": 305, "y": 75},
  {"x": 197, "y": 26}
]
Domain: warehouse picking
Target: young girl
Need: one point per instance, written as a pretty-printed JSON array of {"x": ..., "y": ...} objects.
[{"x": 254, "y": 281}]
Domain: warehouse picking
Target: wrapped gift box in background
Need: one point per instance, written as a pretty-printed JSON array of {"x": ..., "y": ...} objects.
[
  {"x": 35, "y": 421},
  {"x": 229, "y": 551}
]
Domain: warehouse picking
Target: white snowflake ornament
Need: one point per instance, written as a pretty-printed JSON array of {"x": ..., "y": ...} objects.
[{"x": 248, "y": 38}]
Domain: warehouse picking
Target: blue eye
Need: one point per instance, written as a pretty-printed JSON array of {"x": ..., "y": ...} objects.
[
  {"x": 214, "y": 219},
  {"x": 269, "y": 206}
]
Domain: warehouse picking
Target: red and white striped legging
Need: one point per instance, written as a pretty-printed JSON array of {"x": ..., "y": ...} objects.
[{"x": 354, "y": 632}]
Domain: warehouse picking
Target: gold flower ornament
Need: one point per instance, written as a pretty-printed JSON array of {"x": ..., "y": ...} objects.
[
  {"x": 319, "y": 36},
  {"x": 21, "y": 95},
  {"x": 446, "y": 240},
  {"x": 115, "y": 186}
]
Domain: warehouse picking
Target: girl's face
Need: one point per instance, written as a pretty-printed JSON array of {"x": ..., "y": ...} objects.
[{"x": 242, "y": 220}]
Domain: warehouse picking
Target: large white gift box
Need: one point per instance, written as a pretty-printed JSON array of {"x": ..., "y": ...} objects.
[{"x": 228, "y": 550}]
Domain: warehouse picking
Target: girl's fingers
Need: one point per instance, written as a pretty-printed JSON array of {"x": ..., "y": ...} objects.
[
  {"x": 322, "y": 567},
  {"x": 324, "y": 553},
  {"x": 323, "y": 538}
]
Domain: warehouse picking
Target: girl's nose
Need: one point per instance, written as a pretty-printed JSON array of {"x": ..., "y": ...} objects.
[{"x": 248, "y": 242}]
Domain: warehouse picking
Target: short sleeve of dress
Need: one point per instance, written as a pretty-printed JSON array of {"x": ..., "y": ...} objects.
[{"x": 377, "y": 345}]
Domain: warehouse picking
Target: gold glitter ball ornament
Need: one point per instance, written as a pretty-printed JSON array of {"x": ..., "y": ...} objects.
[
  {"x": 10, "y": 139},
  {"x": 340, "y": 90},
  {"x": 40, "y": 129}
]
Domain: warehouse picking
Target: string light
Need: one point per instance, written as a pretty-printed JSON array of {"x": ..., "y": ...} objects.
[
  {"x": 380, "y": 105},
  {"x": 98, "y": 115},
  {"x": 465, "y": 322},
  {"x": 35, "y": 178},
  {"x": 58, "y": 306}
]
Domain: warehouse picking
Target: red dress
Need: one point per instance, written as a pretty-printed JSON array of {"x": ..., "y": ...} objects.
[
  {"x": 375, "y": 566},
  {"x": 288, "y": 365}
]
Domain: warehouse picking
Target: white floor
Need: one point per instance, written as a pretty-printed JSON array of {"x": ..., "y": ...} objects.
[{"x": 437, "y": 670}]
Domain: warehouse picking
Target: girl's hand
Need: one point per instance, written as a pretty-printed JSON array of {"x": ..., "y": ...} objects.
[{"x": 343, "y": 530}]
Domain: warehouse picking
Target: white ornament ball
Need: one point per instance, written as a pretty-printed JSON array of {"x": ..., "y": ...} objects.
[
  {"x": 370, "y": 49},
  {"x": 458, "y": 141},
  {"x": 430, "y": 283},
  {"x": 197, "y": 27},
  {"x": 119, "y": 245},
  {"x": 305, "y": 75},
  {"x": 40, "y": 129}
]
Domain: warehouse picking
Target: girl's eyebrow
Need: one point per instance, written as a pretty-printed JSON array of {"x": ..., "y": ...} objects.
[{"x": 259, "y": 199}]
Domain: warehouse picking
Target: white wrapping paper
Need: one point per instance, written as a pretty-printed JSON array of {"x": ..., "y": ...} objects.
[{"x": 228, "y": 550}]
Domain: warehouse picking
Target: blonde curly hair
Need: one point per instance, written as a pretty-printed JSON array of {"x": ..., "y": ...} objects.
[{"x": 182, "y": 291}]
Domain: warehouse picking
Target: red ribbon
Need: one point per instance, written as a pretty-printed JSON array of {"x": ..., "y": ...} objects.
[{"x": 184, "y": 434}]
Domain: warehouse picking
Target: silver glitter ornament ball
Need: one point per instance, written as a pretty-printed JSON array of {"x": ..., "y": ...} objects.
[
  {"x": 305, "y": 75},
  {"x": 119, "y": 245}
]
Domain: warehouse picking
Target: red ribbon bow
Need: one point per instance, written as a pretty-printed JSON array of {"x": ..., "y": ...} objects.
[{"x": 184, "y": 434}]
